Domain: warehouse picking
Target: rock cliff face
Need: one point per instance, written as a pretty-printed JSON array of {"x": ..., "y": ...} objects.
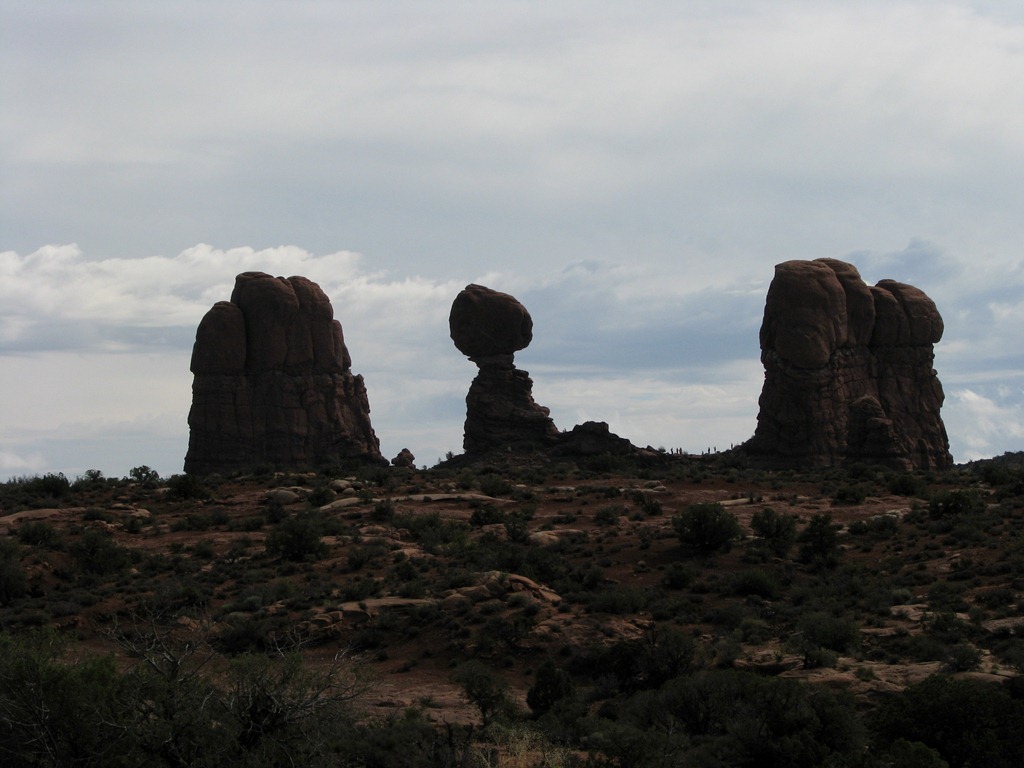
[
  {"x": 273, "y": 385},
  {"x": 848, "y": 372},
  {"x": 490, "y": 327}
]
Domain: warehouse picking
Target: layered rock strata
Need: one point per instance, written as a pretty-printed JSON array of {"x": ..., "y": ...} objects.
[
  {"x": 849, "y": 372},
  {"x": 489, "y": 328},
  {"x": 273, "y": 384}
]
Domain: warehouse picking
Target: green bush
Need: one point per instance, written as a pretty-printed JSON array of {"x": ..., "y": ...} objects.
[
  {"x": 707, "y": 528},
  {"x": 850, "y": 494},
  {"x": 819, "y": 542},
  {"x": 97, "y": 553},
  {"x": 483, "y": 689},
  {"x": 756, "y": 582},
  {"x": 956, "y": 503},
  {"x": 777, "y": 530},
  {"x": 39, "y": 533},
  {"x": 907, "y": 484},
  {"x": 186, "y": 487},
  {"x": 144, "y": 475},
  {"x": 297, "y": 538},
  {"x": 818, "y": 631},
  {"x": 13, "y": 580},
  {"x": 968, "y": 723},
  {"x": 551, "y": 685}
]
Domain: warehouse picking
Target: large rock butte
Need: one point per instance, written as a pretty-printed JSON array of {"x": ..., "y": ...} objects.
[
  {"x": 848, "y": 372},
  {"x": 273, "y": 384},
  {"x": 490, "y": 327}
]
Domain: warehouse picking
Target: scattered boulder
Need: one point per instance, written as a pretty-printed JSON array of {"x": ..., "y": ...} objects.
[
  {"x": 848, "y": 372},
  {"x": 273, "y": 383},
  {"x": 489, "y": 327}
]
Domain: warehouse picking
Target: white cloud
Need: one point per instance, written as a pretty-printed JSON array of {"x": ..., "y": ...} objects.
[{"x": 986, "y": 425}]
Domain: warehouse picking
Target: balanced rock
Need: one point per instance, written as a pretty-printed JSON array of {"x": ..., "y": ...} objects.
[
  {"x": 273, "y": 383},
  {"x": 848, "y": 372},
  {"x": 490, "y": 327}
]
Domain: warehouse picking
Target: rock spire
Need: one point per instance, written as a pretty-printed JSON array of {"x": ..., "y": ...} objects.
[
  {"x": 848, "y": 372},
  {"x": 273, "y": 384},
  {"x": 489, "y": 328}
]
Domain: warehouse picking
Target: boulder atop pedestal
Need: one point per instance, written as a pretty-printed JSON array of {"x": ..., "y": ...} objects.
[
  {"x": 848, "y": 371},
  {"x": 487, "y": 323},
  {"x": 489, "y": 327},
  {"x": 273, "y": 385}
]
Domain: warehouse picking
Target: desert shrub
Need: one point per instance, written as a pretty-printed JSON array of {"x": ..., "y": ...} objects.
[
  {"x": 678, "y": 576},
  {"x": 850, "y": 494},
  {"x": 49, "y": 486},
  {"x": 647, "y": 503},
  {"x": 39, "y": 533},
  {"x": 962, "y": 657},
  {"x": 906, "y": 484},
  {"x": 52, "y": 712},
  {"x": 706, "y": 528},
  {"x": 754, "y": 630},
  {"x": 487, "y": 514},
  {"x": 551, "y": 684},
  {"x": 297, "y": 538},
  {"x": 646, "y": 663},
  {"x": 362, "y": 555},
  {"x": 203, "y": 549},
  {"x": 619, "y": 600},
  {"x": 734, "y": 718},
  {"x": 819, "y": 542},
  {"x": 144, "y": 475},
  {"x": 13, "y": 580},
  {"x": 186, "y": 487},
  {"x": 494, "y": 485},
  {"x": 484, "y": 689},
  {"x": 777, "y": 530},
  {"x": 968, "y": 723},
  {"x": 956, "y": 503},
  {"x": 818, "y": 631},
  {"x": 609, "y": 514},
  {"x": 97, "y": 553},
  {"x": 877, "y": 527},
  {"x": 431, "y": 531},
  {"x": 756, "y": 582}
]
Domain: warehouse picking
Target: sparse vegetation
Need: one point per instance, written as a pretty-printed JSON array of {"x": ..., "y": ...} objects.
[{"x": 591, "y": 596}]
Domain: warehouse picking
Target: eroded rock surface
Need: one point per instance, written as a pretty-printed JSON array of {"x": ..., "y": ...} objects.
[
  {"x": 273, "y": 383},
  {"x": 848, "y": 371},
  {"x": 489, "y": 327}
]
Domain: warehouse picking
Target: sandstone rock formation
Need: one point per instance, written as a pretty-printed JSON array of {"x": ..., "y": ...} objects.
[
  {"x": 404, "y": 459},
  {"x": 490, "y": 327},
  {"x": 273, "y": 383},
  {"x": 848, "y": 372}
]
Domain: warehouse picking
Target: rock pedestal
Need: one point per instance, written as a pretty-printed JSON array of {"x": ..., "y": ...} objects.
[
  {"x": 848, "y": 372},
  {"x": 273, "y": 384},
  {"x": 490, "y": 327}
]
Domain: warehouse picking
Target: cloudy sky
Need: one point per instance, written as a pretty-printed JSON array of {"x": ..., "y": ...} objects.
[{"x": 632, "y": 172}]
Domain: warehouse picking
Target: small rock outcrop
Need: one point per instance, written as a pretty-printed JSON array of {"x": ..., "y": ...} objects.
[
  {"x": 273, "y": 383},
  {"x": 848, "y": 372},
  {"x": 404, "y": 459},
  {"x": 489, "y": 328}
]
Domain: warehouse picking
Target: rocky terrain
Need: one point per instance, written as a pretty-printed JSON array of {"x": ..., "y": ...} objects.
[{"x": 627, "y": 573}]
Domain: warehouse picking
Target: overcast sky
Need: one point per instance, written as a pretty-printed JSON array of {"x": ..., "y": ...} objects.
[{"x": 632, "y": 172}]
